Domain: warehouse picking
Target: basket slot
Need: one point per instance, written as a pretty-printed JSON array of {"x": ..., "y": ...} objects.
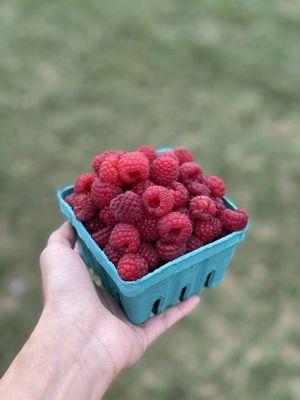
[
  {"x": 183, "y": 293},
  {"x": 155, "y": 308},
  {"x": 209, "y": 279}
]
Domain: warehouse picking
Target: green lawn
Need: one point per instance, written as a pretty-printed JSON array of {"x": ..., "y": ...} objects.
[{"x": 221, "y": 77}]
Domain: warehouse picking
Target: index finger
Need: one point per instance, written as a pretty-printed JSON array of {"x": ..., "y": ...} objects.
[{"x": 159, "y": 324}]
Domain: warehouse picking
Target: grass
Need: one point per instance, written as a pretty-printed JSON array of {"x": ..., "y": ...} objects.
[{"x": 219, "y": 77}]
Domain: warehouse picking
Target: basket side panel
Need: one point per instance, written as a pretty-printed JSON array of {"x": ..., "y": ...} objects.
[{"x": 217, "y": 265}]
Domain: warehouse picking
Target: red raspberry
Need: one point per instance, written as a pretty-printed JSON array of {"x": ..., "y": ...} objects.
[
  {"x": 189, "y": 171},
  {"x": 196, "y": 188},
  {"x": 148, "y": 151},
  {"x": 164, "y": 171},
  {"x": 234, "y": 220},
  {"x": 208, "y": 231},
  {"x": 112, "y": 254},
  {"x": 70, "y": 199},
  {"x": 148, "y": 228},
  {"x": 183, "y": 155},
  {"x": 132, "y": 267},
  {"x": 170, "y": 251},
  {"x": 99, "y": 158},
  {"x": 184, "y": 211},
  {"x": 148, "y": 252},
  {"x": 83, "y": 207},
  {"x": 125, "y": 238},
  {"x": 83, "y": 183},
  {"x": 194, "y": 243},
  {"x": 180, "y": 194},
  {"x": 103, "y": 192},
  {"x": 216, "y": 186},
  {"x": 133, "y": 167},
  {"x": 94, "y": 225},
  {"x": 140, "y": 187},
  {"x": 219, "y": 203},
  {"x": 127, "y": 207},
  {"x": 169, "y": 153},
  {"x": 202, "y": 207},
  {"x": 175, "y": 228},
  {"x": 108, "y": 171},
  {"x": 102, "y": 236},
  {"x": 157, "y": 201},
  {"x": 107, "y": 216}
]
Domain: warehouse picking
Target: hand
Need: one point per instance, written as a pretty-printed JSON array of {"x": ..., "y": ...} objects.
[{"x": 94, "y": 335}]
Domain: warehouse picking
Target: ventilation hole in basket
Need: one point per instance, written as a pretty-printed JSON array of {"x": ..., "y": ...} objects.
[
  {"x": 156, "y": 306},
  {"x": 182, "y": 293},
  {"x": 209, "y": 279}
]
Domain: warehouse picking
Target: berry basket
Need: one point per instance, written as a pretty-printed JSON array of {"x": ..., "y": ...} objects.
[{"x": 175, "y": 281}]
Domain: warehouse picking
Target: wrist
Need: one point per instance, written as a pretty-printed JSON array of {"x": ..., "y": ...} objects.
[
  {"x": 76, "y": 356},
  {"x": 58, "y": 362}
]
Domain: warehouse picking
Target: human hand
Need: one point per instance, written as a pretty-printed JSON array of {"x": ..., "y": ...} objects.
[{"x": 79, "y": 330}]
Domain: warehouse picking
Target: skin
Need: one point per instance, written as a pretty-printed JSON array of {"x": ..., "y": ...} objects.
[{"x": 80, "y": 344}]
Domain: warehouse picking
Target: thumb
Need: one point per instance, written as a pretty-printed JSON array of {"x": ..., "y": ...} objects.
[{"x": 64, "y": 274}]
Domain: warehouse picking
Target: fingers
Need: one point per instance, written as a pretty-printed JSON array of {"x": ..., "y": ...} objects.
[
  {"x": 64, "y": 235},
  {"x": 159, "y": 324}
]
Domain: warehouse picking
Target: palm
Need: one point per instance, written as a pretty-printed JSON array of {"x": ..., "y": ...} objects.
[{"x": 69, "y": 292}]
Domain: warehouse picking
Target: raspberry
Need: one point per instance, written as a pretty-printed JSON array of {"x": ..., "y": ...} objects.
[
  {"x": 132, "y": 267},
  {"x": 216, "y": 186},
  {"x": 196, "y": 188},
  {"x": 164, "y": 170},
  {"x": 98, "y": 159},
  {"x": 183, "y": 155},
  {"x": 189, "y": 171},
  {"x": 157, "y": 201},
  {"x": 83, "y": 183},
  {"x": 219, "y": 203},
  {"x": 140, "y": 187},
  {"x": 209, "y": 230},
  {"x": 93, "y": 225},
  {"x": 148, "y": 252},
  {"x": 194, "y": 243},
  {"x": 127, "y": 207},
  {"x": 125, "y": 238},
  {"x": 180, "y": 194},
  {"x": 234, "y": 220},
  {"x": 148, "y": 151},
  {"x": 184, "y": 211},
  {"x": 83, "y": 207},
  {"x": 70, "y": 199},
  {"x": 112, "y": 254},
  {"x": 170, "y": 251},
  {"x": 108, "y": 171},
  {"x": 148, "y": 228},
  {"x": 103, "y": 192},
  {"x": 175, "y": 228},
  {"x": 101, "y": 237},
  {"x": 107, "y": 216},
  {"x": 169, "y": 153},
  {"x": 202, "y": 207},
  {"x": 133, "y": 167}
]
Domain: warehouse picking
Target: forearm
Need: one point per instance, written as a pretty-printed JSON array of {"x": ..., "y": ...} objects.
[{"x": 55, "y": 365}]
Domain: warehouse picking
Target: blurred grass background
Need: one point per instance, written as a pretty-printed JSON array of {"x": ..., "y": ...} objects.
[{"x": 222, "y": 78}]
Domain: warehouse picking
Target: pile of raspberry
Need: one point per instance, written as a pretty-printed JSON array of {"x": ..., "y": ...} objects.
[{"x": 144, "y": 208}]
